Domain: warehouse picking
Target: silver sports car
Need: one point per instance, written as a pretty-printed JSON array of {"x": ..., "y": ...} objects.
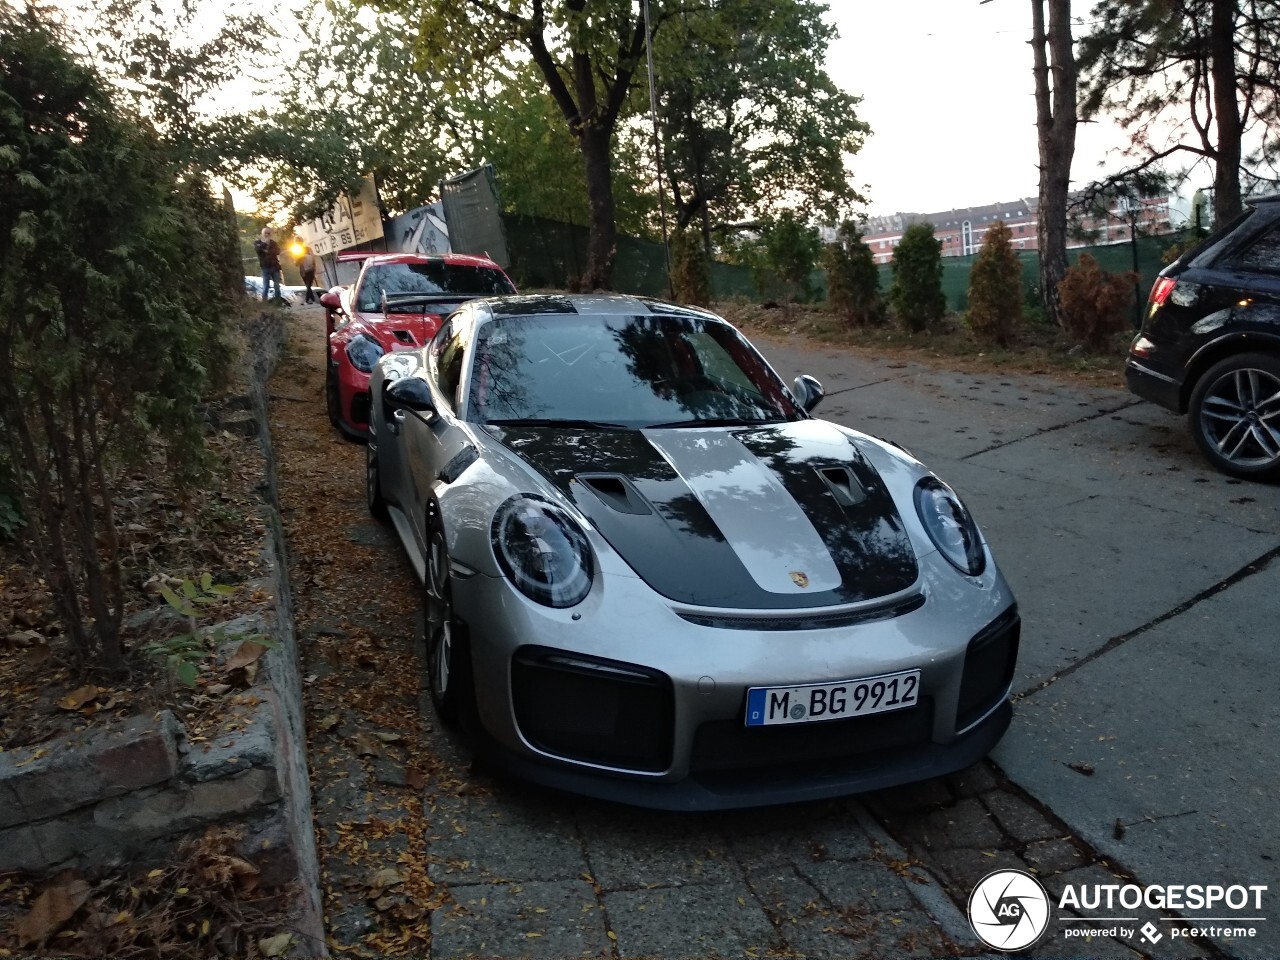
[{"x": 650, "y": 575}]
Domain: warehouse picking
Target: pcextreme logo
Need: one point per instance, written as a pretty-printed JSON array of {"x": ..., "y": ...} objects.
[{"x": 1009, "y": 910}]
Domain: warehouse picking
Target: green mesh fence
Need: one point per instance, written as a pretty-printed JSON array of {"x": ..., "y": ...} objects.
[
  {"x": 1113, "y": 257},
  {"x": 546, "y": 253}
]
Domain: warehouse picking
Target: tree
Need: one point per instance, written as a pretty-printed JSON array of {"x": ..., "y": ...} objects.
[
  {"x": 166, "y": 61},
  {"x": 690, "y": 280},
  {"x": 1190, "y": 78},
  {"x": 995, "y": 287},
  {"x": 587, "y": 52},
  {"x": 916, "y": 294},
  {"x": 99, "y": 347},
  {"x": 749, "y": 116},
  {"x": 373, "y": 108},
  {"x": 853, "y": 282},
  {"x": 1055, "y": 92}
]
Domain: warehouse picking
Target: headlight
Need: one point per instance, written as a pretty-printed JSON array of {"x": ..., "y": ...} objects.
[
  {"x": 542, "y": 551},
  {"x": 363, "y": 352},
  {"x": 950, "y": 527}
]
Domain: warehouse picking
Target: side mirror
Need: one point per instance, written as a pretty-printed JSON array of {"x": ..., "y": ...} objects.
[
  {"x": 330, "y": 301},
  {"x": 808, "y": 392},
  {"x": 408, "y": 393}
]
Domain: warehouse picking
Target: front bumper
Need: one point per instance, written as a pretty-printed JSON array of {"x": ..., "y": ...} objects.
[
  {"x": 647, "y": 707},
  {"x": 353, "y": 401}
]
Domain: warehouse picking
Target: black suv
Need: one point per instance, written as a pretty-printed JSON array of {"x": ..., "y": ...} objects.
[{"x": 1210, "y": 344}]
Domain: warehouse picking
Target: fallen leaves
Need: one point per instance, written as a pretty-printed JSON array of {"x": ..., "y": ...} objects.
[
  {"x": 79, "y": 697},
  {"x": 51, "y": 911},
  {"x": 245, "y": 654}
]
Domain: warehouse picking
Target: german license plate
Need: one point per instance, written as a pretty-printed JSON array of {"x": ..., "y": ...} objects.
[{"x": 812, "y": 702}]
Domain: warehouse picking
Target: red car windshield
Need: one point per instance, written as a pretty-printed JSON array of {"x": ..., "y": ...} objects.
[{"x": 434, "y": 278}]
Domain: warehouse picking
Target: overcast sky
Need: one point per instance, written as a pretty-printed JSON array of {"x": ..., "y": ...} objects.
[{"x": 948, "y": 92}]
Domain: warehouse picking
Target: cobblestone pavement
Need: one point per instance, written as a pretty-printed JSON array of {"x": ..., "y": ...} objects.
[{"x": 502, "y": 869}]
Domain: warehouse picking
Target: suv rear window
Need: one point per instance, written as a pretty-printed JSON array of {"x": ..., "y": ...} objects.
[{"x": 1263, "y": 254}]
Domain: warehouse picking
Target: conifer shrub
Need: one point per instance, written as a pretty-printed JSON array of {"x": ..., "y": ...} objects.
[
  {"x": 916, "y": 295},
  {"x": 853, "y": 282},
  {"x": 995, "y": 288},
  {"x": 786, "y": 255},
  {"x": 1095, "y": 303}
]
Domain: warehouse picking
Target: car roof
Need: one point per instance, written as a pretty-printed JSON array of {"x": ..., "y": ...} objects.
[{"x": 588, "y": 304}]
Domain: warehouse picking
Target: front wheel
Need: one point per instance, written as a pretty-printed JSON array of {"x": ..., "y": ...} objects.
[
  {"x": 1234, "y": 416},
  {"x": 448, "y": 663}
]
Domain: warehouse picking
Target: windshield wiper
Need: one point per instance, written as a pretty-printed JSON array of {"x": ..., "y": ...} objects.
[
  {"x": 557, "y": 422},
  {"x": 712, "y": 422}
]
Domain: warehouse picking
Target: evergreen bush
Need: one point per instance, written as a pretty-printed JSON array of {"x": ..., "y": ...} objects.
[
  {"x": 853, "y": 282},
  {"x": 916, "y": 294},
  {"x": 995, "y": 288}
]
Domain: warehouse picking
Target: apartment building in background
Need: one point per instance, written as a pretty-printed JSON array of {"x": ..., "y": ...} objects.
[{"x": 961, "y": 231}]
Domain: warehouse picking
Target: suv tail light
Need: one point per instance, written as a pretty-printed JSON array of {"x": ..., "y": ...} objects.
[{"x": 1160, "y": 293}]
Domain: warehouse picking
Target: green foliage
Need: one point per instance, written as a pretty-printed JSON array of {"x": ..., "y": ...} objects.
[
  {"x": 1095, "y": 304},
  {"x": 784, "y": 257},
  {"x": 165, "y": 61},
  {"x": 750, "y": 119},
  {"x": 690, "y": 271},
  {"x": 1215, "y": 64},
  {"x": 182, "y": 653},
  {"x": 916, "y": 294},
  {"x": 853, "y": 282},
  {"x": 113, "y": 294},
  {"x": 995, "y": 288}
]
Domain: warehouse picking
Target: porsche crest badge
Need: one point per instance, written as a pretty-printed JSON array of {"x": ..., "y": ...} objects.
[{"x": 800, "y": 578}]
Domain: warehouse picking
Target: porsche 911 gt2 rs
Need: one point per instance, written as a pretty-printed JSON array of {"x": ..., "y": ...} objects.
[{"x": 651, "y": 575}]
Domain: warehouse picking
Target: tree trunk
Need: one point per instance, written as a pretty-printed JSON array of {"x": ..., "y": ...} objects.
[
  {"x": 1226, "y": 174},
  {"x": 602, "y": 242},
  {"x": 1055, "y": 83}
]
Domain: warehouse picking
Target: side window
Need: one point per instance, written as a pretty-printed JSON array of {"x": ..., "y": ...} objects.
[
  {"x": 449, "y": 358},
  {"x": 1263, "y": 255}
]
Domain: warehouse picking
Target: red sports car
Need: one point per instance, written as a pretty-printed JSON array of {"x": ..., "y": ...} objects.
[{"x": 397, "y": 303}]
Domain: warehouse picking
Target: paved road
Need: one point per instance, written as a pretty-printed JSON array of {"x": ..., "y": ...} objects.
[{"x": 1148, "y": 592}]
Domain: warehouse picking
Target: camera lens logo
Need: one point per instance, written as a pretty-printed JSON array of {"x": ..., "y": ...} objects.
[{"x": 1009, "y": 910}]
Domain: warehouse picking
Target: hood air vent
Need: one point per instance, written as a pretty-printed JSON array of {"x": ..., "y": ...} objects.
[
  {"x": 616, "y": 491},
  {"x": 843, "y": 485}
]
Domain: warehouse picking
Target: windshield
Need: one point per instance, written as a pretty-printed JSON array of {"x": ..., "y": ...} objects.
[
  {"x": 613, "y": 371},
  {"x": 434, "y": 277}
]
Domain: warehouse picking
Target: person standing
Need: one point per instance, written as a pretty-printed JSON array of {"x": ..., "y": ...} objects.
[
  {"x": 307, "y": 267},
  {"x": 268, "y": 252}
]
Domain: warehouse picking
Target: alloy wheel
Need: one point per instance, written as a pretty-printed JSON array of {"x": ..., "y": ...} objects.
[{"x": 1239, "y": 418}]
